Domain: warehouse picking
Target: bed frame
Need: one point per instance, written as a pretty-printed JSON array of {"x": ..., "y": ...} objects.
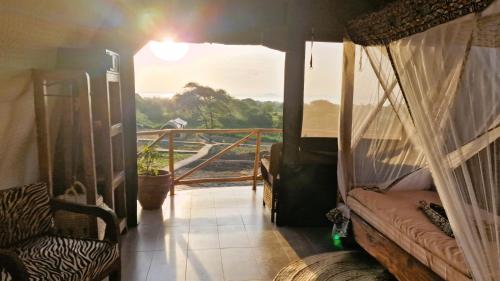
[{"x": 402, "y": 265}]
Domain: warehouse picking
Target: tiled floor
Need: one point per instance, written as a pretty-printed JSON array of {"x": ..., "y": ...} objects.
[{"x": 214, "y": 234}]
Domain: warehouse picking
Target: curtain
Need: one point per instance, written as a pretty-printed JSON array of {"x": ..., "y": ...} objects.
[
  {"x": 382, "y": 144},
  {"x": 433, "y": 100},
  {"x": 449, "y": 76}
]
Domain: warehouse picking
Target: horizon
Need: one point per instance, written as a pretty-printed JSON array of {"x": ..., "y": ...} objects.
[
  {"x": 170, "y": 95},
  {"x": 243, "y": 71}
]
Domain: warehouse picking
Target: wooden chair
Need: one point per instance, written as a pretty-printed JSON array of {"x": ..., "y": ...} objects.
[
  {"x": 269, "y": 166},
  {"x": 30, "y": 249}
]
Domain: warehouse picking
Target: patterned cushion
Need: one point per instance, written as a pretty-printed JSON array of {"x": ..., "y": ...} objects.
[
  {"x": 4, "y": 276},
  {"x": 64, "y": 259},
  {"x": 24, "y": 213}
]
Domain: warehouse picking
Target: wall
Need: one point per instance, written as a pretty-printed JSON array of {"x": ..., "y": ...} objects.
[
  {"x": 30, "y": 33},
  {"x": 18, "y": 147}
]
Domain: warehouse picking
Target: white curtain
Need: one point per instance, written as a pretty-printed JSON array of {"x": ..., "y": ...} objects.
[
  {"x": 450, "y": 79},
  {"x": 383, "y": 147},
  {"x": 446, "y": 116}
]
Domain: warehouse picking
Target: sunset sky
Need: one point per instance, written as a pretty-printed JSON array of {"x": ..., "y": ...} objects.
[{"x": 243, "y": 71}]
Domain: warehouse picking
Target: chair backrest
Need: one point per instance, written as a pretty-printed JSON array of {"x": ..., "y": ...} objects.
[
  {"x": 276, "y": 154},
  {"x": 24, "y": 213}
]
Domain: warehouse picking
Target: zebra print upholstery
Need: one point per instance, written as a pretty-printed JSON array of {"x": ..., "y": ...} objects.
[
  {"x": 24, "y": 213},
  {"x": 5, "y": 276},
  {"x": 63, "y": 259},
  {"x": 26, "y": 231}
]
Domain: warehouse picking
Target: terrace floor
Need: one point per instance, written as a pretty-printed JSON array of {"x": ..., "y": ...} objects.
[{"x": 214, "y": 234}]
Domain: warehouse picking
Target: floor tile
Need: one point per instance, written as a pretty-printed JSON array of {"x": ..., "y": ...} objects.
[
  {"x": 228, "y": 216},
  {"x": 214, "y": 234},
  {"x": 233, "y": 236},
  {"x": 135, "y": 265},
  {"x": 203, "y": 217},
  {"x": 204, "y": 265},
  {"x": 202, "y": 201},
  {"x": 203, "y": 237},
  {"x": 168, "y": 266},
  {"x": 240, "y": 264}
]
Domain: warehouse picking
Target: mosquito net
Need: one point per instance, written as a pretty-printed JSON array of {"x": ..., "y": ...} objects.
[{"x": 432, "y": 100}]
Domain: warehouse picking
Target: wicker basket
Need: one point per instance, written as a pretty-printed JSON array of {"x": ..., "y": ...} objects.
[{"x": 79, "y": 225}]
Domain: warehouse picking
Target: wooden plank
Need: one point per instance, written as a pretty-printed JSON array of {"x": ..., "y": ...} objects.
[
  {"x": 209, "y": 180},
  {"x": 256, "y": 162},
  {"x": 401, "y": 264},
  {"x": 216, "y": 156}
]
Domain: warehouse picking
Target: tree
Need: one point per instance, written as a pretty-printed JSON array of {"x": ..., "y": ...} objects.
[{"x": 207, "y": 104}]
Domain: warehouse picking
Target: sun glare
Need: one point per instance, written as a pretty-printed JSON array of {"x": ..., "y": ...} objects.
[{"x": 169, "y": 50}]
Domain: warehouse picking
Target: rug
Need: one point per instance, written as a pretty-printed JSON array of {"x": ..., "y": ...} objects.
[{"x": 335, "y": 266}]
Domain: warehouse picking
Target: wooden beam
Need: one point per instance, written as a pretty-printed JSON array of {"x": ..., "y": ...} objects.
[
  {"x": 293, "y": 102},
  {"x": 129, "y": 132},
  {"x": 345, "y": 125},
  {"x": 401, "y": 264}
]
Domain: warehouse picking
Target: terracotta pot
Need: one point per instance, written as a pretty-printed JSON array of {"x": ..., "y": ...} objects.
[{"x": 153, "y": 190}]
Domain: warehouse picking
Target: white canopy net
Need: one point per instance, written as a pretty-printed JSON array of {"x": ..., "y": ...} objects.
[{"x": 433, "y": 100}]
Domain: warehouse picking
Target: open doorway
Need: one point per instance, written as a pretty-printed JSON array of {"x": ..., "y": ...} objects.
[{"x": 219, "y": 99}]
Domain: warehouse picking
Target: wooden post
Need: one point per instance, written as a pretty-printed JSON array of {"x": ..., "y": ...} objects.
[
  {"x": 257, "y": 159},
  {"x": 345, "y": 125},
  {"x": 294, "y": 98},
  {"x": 171, "y": 161},
  {"x": 129, "y": 133}
]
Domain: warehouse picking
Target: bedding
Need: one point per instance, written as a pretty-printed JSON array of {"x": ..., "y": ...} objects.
[
  {"x": 397, "y": 216},
  {"x": 418, "y": 180}
]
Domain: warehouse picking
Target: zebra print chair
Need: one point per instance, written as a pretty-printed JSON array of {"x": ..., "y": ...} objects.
[{"x": 30, "y": 249}]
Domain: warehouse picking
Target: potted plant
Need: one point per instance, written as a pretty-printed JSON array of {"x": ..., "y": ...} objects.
[{"x": 154, "y": 183}]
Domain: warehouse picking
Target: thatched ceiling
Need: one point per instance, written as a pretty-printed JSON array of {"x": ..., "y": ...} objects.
[{"x": 75, "y": 23}]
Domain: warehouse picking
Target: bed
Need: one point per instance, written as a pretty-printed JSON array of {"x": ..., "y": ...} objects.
[{"x": 400, "y": 224}]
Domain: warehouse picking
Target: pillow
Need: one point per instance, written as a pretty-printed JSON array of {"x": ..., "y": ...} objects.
[
  {"x": 437, "y": 216},
  {"x": 418, "y": 180},
  {"x": 24, "y": 213}
]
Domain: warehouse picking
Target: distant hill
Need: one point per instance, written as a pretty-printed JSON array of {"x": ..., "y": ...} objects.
[{"x": 205, "y": 107}]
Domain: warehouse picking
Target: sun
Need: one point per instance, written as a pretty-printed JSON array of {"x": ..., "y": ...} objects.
[{"x": 169, "y": 50}]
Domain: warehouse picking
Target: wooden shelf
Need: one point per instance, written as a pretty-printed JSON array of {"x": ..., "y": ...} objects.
[{"x": 103, "y": 68}]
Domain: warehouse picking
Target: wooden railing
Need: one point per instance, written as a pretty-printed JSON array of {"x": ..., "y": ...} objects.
[{"x": 177, "y": 180}]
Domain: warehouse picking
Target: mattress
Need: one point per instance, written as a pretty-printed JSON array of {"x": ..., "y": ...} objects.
[{"x": 396, "y": 215}]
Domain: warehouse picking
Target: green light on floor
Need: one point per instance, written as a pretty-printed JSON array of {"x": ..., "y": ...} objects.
[{"x": 337, "y": 242}]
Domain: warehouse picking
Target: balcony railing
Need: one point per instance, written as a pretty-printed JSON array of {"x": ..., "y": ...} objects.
[{"x": 169, "y": 134}]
